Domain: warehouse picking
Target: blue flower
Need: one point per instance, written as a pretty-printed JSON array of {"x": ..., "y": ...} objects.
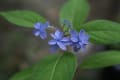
[
  {"x": 79, "y": 40},
  {"x": 58, "y": 41},
  {"x": 40, "y": 29}
]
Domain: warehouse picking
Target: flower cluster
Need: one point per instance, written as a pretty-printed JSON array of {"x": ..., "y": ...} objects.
[{"x": 62, "y": 38}]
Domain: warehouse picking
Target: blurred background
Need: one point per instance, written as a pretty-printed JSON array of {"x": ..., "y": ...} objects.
[{"x": 19, "y": 48}]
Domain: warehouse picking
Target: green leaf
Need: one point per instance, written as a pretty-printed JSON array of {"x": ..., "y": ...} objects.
[
  {"x": 23, "y": 75},
  {"x": 22, "y": 18},
  {"x": 103, "y": 31},
  {"x": 53, "y": 67},
  {"x": 76, "y": 11},
  {"x": 101, "y": 59}
]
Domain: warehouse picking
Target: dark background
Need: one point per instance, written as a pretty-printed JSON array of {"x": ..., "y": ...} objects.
[{"x": 19, "y": 48}]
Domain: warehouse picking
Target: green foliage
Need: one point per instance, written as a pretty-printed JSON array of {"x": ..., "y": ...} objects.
[
  {"x": 101, "y": 59},
  {"x": 22, "y": 18},
  {"x": 24, "y": 75},
  {"x": 103, "y": 31},
  {"x": 76, "y": 11},
  {"x": 53, "y": 67},
  {"x": 62, "y": 67}
]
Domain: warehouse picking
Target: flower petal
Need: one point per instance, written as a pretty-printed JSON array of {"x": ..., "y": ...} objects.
[
  {"x": 36, "y": 32},
  {"x": 62, "y": 46},
  {"x": 43, "y": 35},
  {"x": 74, "y": 39},
  {"x": 82, "y": 34},
  {"x": 47, "y": 24},
  {"x": 67, "y": 43},
  {"x": 52, "y": 42},
  {"x": 53, "y": 36},
  {"x": 74, "y": 33},
  {"x": 37, "y": 25},
  {"x": 83, "y": 37},
  {"x": 65, "y": 39},
  {"x": 58, "y": 34},
  {"x": 83, "y": 46}
]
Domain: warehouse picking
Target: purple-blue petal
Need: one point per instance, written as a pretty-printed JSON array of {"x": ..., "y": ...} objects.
[
  {"x": 85, "y": 41},
  {"x": 74, "y": 33},
  {"x": 47, "y": 24},
  {"x": 53, "y": 36},
  {"x": 37, "y": 33},
  {"x": 58, "y": 34},
  {"x": 65, "y": 39},
  {"x": 42, "y": 27},
  {"x": 74, "y": 39},
  {"x": 67, "y": 43},
  {"x": 52, "y": 42},
  {"x": 37, "y": 25},
  {"x": 83, "y": 46},
  {"x": 83, "y": 37},
  {"x": 43, "y": 35},
  {"x": 86, "y": 37},
  {"x": 61, "y": 46}
]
